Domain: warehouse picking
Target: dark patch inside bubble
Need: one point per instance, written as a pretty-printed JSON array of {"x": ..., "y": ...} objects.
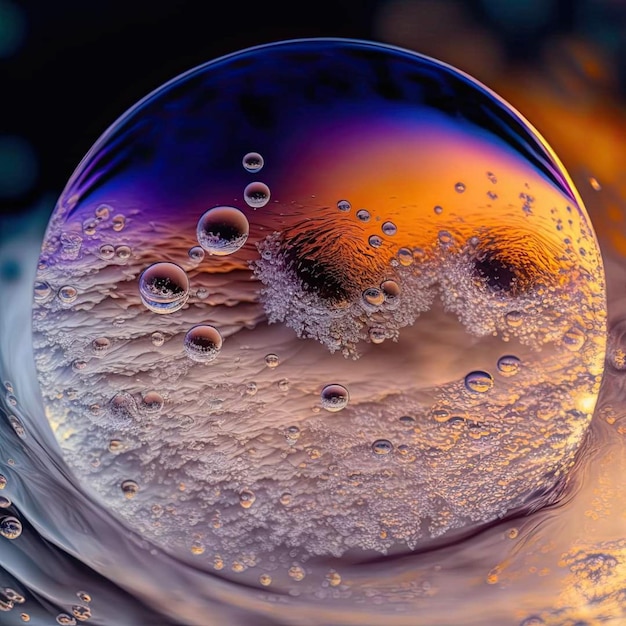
[
  {"x": 257, "y": 110},
  {"x": 319, "y": 277},
  {"x": 496, "y": 274}
]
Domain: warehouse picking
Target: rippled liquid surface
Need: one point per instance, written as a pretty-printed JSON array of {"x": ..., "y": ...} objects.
[{"x": 391, "y": 332}]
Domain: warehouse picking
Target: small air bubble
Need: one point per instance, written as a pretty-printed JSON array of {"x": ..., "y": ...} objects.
[
  {"x": 157, "y": 338},
  {"x": 67, "y": 294},
  {"x": 203, "y": 343},
  {"x": 363, "y": 215},
  {"x": 106, "y": 251},
  {"x": 164, "y": 288},
  {"x": 271, "y": 360},
  {"x": 382, "y": 447},
  {"x": 438, "y": 210},
  {"x": 508, "y": 365},
  {"x": 405, "y": 256},
  {"x": 459, "y": 187},
  {"x": 479, "y": 381},
  {"x": 514, "y": 319},
  {"x": 334, "y": 397},
  {"x": 246, "y": 498},
  {"x": 129, "y": 488},
  {"x": 256, "y": 195},
  {"x": 122, "y": 253},
  {"x": 42, "y": 291},
  {"x": 375, "y": 241},
  {"x": 373, "y": 296},
  {"x": 344, "y": 205},
  {"x": 196, "y": 254},
  {"x": 389, "y": 229},
  {"x": 377, "y": 335},
  {"x": 118, "y": 223},
  {"x": 222, "y": 230},
  {"x": 10, "y": 527},
  {"x": 252, "y": 162}
]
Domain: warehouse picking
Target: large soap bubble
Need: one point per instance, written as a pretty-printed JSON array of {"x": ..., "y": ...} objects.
[{"x": 401, "y": 310}]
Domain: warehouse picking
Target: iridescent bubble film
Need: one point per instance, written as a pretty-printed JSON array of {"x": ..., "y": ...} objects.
[
  {"x": 313, "y": 305},
  {"x": 332, "y": 296}
]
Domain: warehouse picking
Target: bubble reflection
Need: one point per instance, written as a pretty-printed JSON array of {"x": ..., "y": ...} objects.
[{"x": 291, "y": 307}]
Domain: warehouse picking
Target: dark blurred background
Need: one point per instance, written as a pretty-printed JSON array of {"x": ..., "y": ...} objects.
[{"x": 69, "y": 68}]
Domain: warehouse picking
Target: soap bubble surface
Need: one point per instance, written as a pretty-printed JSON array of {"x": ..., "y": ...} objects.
[{"x": 416, "y": 311}]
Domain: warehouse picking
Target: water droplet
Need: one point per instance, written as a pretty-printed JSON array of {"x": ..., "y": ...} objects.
[
  {"x": 84, "y": 596},
  {"x": 373, "y": 296},
  {"x": 283, "y": 384},
  {"x": 391, "y": 291},
  {"x": 492, "y": 177},
  {"x": 157, "y": 338},
  {"x": 405, "y": 257},
  {"x": 333, "y": 578},
  {"x": 292, "y": 434},
  {"x": 223, "y": 230},
  {"x": 271, "y": 360},
  {"x": 344, "y": 205},
  {"x": 118, "y": 223},
  {"x": 514, "y": 319},
  {"x": 123, "y": 253},
  {"x": 203, "y": 343},
  {"x": 164, "y": 287},
  {"x": 89, "y": 227},
  {"x": 252, "y": 162},
  {"x": 375, "y": 241},
  {"x": 100, "y": 345},
  {"x": 408, "y": 421},
  {"x": 5, "y": 502},
  {"x": 459, "y": 187},
  {"x": 196, "y": 254},
  {"x": 152, "y": 403},
  {"x": 106, "y": 251},
  {"x": 246, "y": 498},
  {"x": 445, "y": 238},
  {"x": 265, "y": 579},
  {"x": 10, "y": 527},
  {"x": 65, "y": 620},
  {"x": 438, "y": 210},
  {"x": 67, "y": 294},
  {"x": 389, "y": 229},
  {"x": 363, "y": 215},
  {"x": 508, "y": 365},
  {"x": 197, "y": 548},
  {"x": 3, "y": 481},
  {"x": 42, "y": 291},
  {"x": 381, "y": 447},
  {"x": 377, "y": 335},
  {"x": 81, "y": 613},
  {"x": 25, "y": 617},
  {"x": 103, "y": 212},
  {"x": 574, "y": 339},
  {"x": 334, "y": 397},
  {"x": 479, "y": 381},
  {"x": 129, "y": 488},
  {"x": 256, "y": 195},
  {"x": 251, "y": 389},
  {"x": 202, "y": 293},
  {"x": 115, "y": 446},
  {"x": 296, "y": 572}
]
